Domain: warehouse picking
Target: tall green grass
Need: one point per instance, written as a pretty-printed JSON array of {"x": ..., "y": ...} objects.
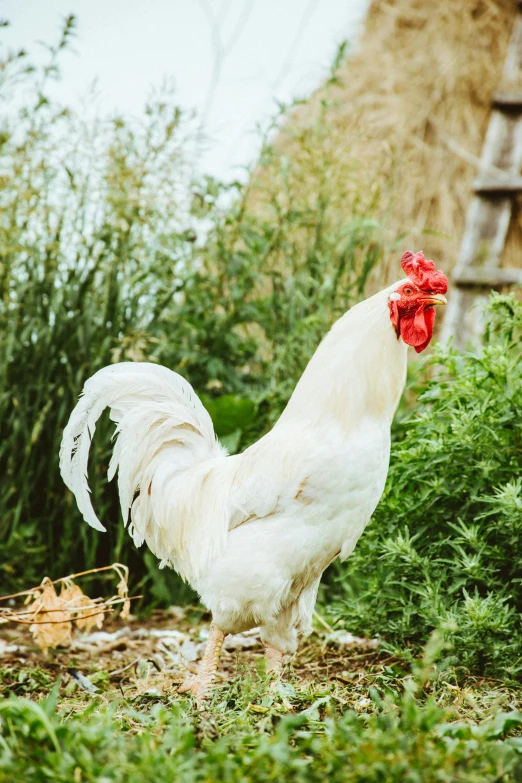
[
  {"x": 110, "y": 250},
  {"x": 89, "y": 220}
]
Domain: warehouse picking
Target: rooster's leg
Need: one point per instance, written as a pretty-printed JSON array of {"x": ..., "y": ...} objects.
[
  {"x": 199, "y": 685},
  {"x": 274, "y": 659}
]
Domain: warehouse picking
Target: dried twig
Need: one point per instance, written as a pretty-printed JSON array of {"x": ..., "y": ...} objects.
[
  {"x": 13, "y": 616},
  {"x": 114, "y": 567}
]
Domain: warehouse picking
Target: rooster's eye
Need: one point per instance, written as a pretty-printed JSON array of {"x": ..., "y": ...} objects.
[{"x": 407, "y": 291}]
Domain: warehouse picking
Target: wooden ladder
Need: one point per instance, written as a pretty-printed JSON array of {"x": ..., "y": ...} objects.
[{"x": 478, "y": 267}]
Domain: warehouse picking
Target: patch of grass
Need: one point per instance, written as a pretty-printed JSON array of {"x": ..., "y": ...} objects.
[
  {"x": 20, "y": 680},
  {"x": 250, "y": 731}
]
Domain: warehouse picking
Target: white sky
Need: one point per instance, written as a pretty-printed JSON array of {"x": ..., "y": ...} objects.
[{"x": 273, "y": 49}]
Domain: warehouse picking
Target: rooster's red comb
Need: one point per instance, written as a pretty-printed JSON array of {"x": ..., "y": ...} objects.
[{"x": 423, "y": 273}]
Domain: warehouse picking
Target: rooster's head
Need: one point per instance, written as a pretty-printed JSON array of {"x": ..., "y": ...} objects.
[{"x": 412, "y": 302}]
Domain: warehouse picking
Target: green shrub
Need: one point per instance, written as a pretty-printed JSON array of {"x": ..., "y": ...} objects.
[
  {"x": 109, "y": 251},
  {"x": 445, "y": 546}
]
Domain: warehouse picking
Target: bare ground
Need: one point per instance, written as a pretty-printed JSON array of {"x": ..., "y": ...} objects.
[{"x": 146, "y": 660}]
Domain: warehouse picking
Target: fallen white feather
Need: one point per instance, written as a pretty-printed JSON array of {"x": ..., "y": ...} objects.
[
  {"x": 242, "y": 641},
  {"x": 346, "y": 639}
]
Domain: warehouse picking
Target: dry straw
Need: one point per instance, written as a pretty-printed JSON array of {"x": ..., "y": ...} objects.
[{"x": 412, "y": 112}]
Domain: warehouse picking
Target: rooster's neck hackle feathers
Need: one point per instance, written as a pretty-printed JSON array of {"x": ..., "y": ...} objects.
[{"x": 358, "y": 370}]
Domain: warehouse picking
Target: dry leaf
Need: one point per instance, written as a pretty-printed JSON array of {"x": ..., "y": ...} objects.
[
  {"x": 48, "y": 606},
  {"x": 73, "y": 598},
  {"x": 59, "y": 611},
  {"x": 51, "y": 617},
  {"x": 123, "y": 592}
]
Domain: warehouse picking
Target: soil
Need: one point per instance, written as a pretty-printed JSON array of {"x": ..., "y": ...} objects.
[{"x": 155, "y": 655}]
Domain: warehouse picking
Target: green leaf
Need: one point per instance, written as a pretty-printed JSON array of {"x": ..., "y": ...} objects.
[{"x": 229, "y": 413}]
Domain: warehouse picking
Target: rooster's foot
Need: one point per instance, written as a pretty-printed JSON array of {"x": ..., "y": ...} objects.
[
  {"x": 199, "y": 686},
  {"x": 274, "y": 660}
]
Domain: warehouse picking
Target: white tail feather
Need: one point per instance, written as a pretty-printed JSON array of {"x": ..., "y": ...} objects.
[{"x": 166, "y": 451}]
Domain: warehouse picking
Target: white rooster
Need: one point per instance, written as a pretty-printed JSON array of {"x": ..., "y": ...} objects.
[{"x": 253, "y": 533}]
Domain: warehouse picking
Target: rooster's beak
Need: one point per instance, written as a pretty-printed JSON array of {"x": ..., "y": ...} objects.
[{"x": 435, "y": 299}]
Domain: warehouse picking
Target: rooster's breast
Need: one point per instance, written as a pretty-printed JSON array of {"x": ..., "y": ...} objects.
[{"x": 329, "y": 489}]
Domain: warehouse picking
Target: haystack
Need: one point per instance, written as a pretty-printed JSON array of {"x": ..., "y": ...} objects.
[{"x": 412, "y": 111}]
